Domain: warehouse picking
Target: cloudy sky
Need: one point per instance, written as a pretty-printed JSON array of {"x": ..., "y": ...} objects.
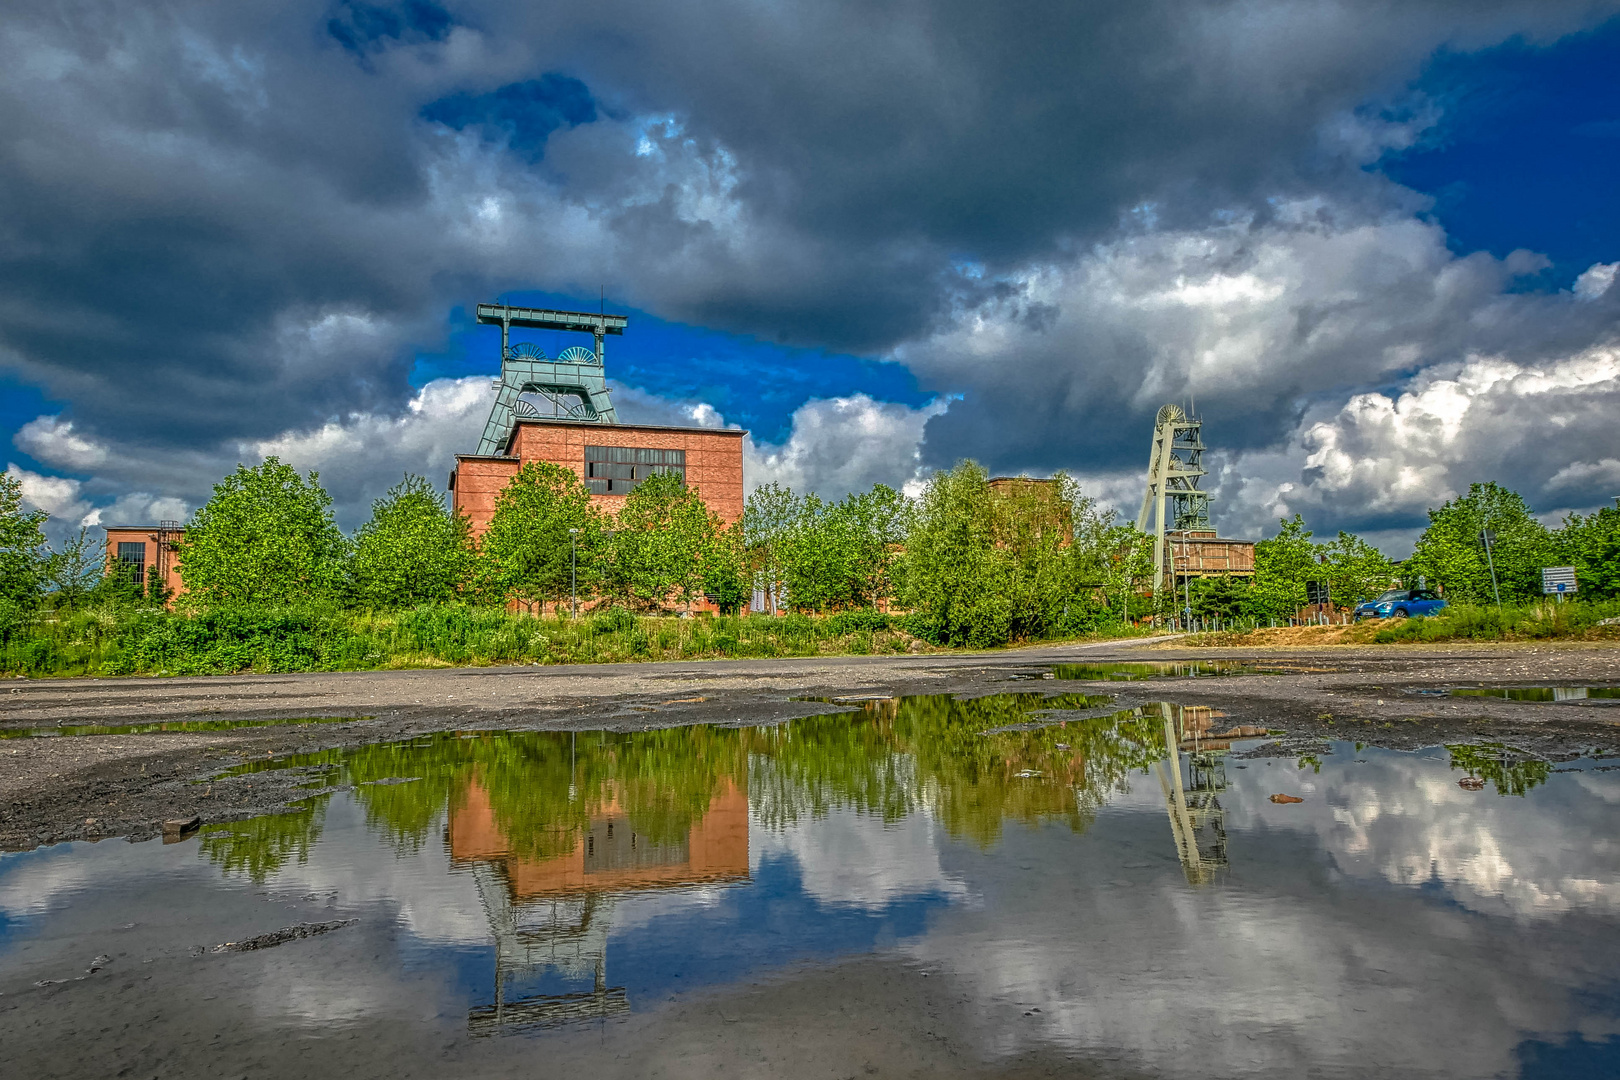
[{"x": 1373, "y": 241}]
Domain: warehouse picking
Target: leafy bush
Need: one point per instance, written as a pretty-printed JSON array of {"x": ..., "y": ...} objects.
[
  {"x": 860, "y": 619},
  {"x": 613, "y": 620}
]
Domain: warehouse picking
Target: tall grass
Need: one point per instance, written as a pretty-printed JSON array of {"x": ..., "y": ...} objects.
[
  {"x": 1486, "y": 622},
  {"x": 132, "y": 641}
]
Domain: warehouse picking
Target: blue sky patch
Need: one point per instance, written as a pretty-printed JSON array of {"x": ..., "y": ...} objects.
[
  {"x": 753, "y": 383},
  {"x": 366, "y": 28},
  {"x": 522, "y": 114},
  {"x": 1527, "y": 151}
]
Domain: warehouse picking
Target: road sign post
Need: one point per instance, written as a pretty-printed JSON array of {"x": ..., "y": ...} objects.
[{"x": 1559, "y": 581}]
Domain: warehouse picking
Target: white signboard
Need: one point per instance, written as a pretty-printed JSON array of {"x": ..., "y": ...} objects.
[{"x": 1558, "y": 579}]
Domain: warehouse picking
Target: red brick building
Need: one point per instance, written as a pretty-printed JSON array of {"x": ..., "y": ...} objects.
[
  {"x": 1195, "y": 553},
  {"x": 142, "y": 551},
  {"x": 611, "y": 459}
]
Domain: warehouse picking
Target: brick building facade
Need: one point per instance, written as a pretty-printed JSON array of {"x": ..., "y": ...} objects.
[
  {"x": 1205, "y": 554},
  {"x": 611, "y": 459},
  {"x": 142, "y": 551}
]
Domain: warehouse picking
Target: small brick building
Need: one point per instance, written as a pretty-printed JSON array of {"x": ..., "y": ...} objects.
[
  {"x": 611, "y": 459},
  {"x": 144, "y": 550},
  {"x": 1196, "y": 553}
]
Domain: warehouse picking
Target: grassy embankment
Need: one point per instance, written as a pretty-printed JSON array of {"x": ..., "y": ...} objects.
[
  {"x": 153, "y": 642},
  {"x": 1577, "y": 621}
]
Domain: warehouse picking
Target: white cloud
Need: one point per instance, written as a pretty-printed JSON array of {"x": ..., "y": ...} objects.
[
  {"x": 1595, "y": 280},
  {"x": 1397, "y": 454},
  {"x": 52, "y": 440},
  {"x": 361, "y": 455},
  {"x": 58, "y": 496},
  {"x": 839, "y": 445}
]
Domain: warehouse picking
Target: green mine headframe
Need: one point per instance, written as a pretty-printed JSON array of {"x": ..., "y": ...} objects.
[
  {"x": 1175, "y": 466},
  {"x": 575, "y": 383}
]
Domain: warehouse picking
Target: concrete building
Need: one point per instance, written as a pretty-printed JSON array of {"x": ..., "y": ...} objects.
[
  {"x": 611, "y": 459},
  {"x": 145, "y": 551}
]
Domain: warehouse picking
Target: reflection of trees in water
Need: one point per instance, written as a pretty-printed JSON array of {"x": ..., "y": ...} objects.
[
  {"x": 890, "y": 758},
  {"x": 1509, "y": 770},
  {"x": 260, "y": 846},
  {"x": 948, "y": 756}
]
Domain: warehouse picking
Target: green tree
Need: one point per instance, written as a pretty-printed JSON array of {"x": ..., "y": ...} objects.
[
  {"x": 665, "y": 532},
  {"x": 1449, "y": 552},
  {"x": 23, "y": 555},
  {"x": 724, "y": 579},
  {"x": 842, "y": 555},
  {"x": 769, "y": 516},
  {"x": 953, "y": 575},
  {"x": 1282, "y": 566},
  {"x": 265, "y": 537},
  {"x": 1355, "y": 570},
  {"x": 1221, "y": 597},
  {"x": 878, "y": 521},
  {"x": 412, "y": 551},
  {"x": 528, "y": 550},
  {"x": 73, "y": 571},
  {"x": 1033, "y": 531},
  {"x": 1592, "y": 545}
]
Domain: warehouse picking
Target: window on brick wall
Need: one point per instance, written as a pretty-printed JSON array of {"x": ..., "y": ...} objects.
[
  {"x": 616, "y": 470},
  {"x": 132, "y": 559}
]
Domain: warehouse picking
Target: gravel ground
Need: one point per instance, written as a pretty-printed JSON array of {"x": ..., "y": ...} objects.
[{"x": 127, "y": 784}]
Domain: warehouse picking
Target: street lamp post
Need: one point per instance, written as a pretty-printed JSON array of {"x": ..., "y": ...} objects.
[{"x": 573, "y": 573}]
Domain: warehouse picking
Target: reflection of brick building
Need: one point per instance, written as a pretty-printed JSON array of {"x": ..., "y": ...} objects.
[
  {"x": 609, "y": 855},
  {"x": 612, "y": 459},
  {"x": 146, "y": 553}
]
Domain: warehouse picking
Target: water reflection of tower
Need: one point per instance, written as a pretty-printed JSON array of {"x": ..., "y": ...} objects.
[
  {"x": 553, "y": 913},
  {"x": 1197, "y": 819}
]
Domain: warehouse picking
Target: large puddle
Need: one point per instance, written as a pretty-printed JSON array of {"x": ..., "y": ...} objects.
[{"x": 1121, "y": 891}]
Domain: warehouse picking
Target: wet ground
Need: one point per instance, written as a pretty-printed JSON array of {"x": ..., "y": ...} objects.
[
  {"x": 1015, "y": 864},
  {"x": 1020, "y": 884}
]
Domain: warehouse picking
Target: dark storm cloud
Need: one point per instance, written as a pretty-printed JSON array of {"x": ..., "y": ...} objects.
[{"x": 224, "y": 222}]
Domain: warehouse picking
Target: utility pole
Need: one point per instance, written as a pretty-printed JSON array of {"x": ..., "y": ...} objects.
[
  {"x": 1186, "y": 578},
  {"x": 573, "y": 573},
  {"x": 1488, "y": 537}
]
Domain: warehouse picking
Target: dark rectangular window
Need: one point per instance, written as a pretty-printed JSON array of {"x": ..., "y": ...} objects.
[
  {"x": 616, "y": 470},
  {"x": 132, "y": 559}
]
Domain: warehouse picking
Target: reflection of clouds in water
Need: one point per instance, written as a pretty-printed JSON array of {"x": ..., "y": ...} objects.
[
  {"x": 34, "y": 882},
  {"x": 1194, "y": 985},
  {"x": 1403, "y": 818},
  {"x": 1277, "y": 971},
  {"x": 436, "y": 902},
  {"x": 632, "y": 909},
  {"x": 857, "y": 860},
  {"x": 1272, "y": 971}
]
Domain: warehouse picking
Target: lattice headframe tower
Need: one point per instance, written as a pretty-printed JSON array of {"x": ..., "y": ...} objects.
[
  {"x": 575, "y": 383},
  {"x": 1173, "y": 501}
]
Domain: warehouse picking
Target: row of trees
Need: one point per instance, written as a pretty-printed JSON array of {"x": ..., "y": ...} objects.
[
  {"x": 268, "y": 537},
  {"x": 1448, "y": 554},
  {"x": 976, "y": 563}
]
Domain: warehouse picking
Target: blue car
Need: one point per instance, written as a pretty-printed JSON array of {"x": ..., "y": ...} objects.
[{"x": 1400, "y": 604}]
